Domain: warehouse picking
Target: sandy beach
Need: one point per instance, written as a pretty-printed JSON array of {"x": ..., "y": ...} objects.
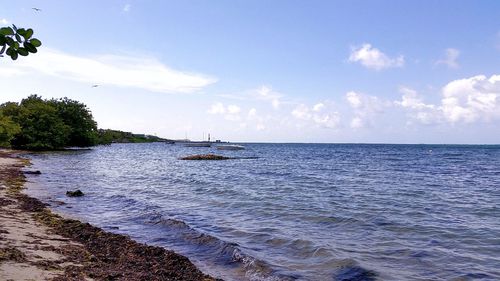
[{"x": 36, "y": 244}]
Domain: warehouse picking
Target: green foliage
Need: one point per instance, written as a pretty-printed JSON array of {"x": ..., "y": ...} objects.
[
  {"x": 50, "y": 124},
  {"x": 8, "y": 129},
  {"x": 17, "y": 41},
  {"x": 41, "y": 127},
  {"x": 76, "y": 115},
  {"x": 113, "y": 136}
]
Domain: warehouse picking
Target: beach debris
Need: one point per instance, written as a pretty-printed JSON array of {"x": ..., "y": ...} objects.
[
  {"x": 32, "y": 172},
  {"x": 75, "y": 193},
  {"x": 11, "y": 254},
  {"x": 97, "y": 254},
  {"x": 205, "y": 157}
]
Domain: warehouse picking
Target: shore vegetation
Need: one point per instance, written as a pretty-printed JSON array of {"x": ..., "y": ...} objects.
[{"x": 46, "y": 124}]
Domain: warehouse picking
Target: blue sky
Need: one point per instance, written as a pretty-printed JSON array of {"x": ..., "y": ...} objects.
[{"x": 273, "y": 71}]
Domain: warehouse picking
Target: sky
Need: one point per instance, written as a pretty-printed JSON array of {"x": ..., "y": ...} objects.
[{"x": 269, "y": 71}]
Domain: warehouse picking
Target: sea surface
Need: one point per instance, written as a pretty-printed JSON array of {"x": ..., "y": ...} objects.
[{"x": 294, "y": 211}]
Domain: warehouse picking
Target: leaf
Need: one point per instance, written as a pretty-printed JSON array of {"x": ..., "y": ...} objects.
[
  {"x": 28, "y": 46},
  {"x": 13, "y": 55},
  {"x": 15, "y": 27},
  {"x": 8, "y": 52},
  {"x": 3, "y": 49},
  {"x": 18, "y": 38},
  {"x": 2, "y": 40},
  {"x": 6, "y": 31},
  {"x": 16, "y": 46},
  {"x": 35, "y": 42},
  {"x": 10, "y": 41},
  {"x": 21, "y": 31},
  {"x": 23, "y": 52},
  {"x": 28, "y": 33}
]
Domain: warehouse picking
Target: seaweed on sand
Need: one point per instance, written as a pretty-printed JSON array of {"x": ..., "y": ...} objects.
[{"x": 104, "y": 255}]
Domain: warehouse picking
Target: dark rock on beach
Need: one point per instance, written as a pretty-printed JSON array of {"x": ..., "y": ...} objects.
[
  {"x": 205, "y": 157},
  {"x": 75, "y": 193}
]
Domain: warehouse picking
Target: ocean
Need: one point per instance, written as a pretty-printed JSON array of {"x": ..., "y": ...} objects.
[{"x": 293, "y": 211}]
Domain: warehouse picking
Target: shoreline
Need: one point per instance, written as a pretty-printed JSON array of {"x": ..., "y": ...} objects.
[{"x": 38, "y": 244}]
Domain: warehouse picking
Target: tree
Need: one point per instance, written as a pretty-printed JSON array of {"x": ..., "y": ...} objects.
[
  {"x": 38, "y": 124},
  {"x": 8, "y": 129},
  {"x": 41, "y": 126},
  {"x": 76, "y": 115},
  {"x": 17, "y": 41}
]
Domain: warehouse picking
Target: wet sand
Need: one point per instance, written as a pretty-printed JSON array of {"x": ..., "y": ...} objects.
[{"x": 36, "y": 244}]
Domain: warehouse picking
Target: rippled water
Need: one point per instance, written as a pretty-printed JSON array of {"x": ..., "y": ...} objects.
[{"x": 298, "y": 211}]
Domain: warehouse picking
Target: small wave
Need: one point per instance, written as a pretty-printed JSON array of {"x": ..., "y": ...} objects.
[
  {"x": 220, "y": 251},
  {"x": 449, "y": 154},
  {"x": 353, "y": 272}
]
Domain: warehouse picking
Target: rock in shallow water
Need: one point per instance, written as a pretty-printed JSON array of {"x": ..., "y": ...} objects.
[
  {"x": 32, "y": 172},
  {"x": 76, "y": 193},
  {"x": 205, "y": 157}
]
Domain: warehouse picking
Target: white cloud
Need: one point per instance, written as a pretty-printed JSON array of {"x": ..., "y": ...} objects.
[
  {"x": 472, "y": 99},
  {"x": 357, "y": 123},
  {"x": 266, "y": 93},
  {"x": 424, "y": 113},
  {"x": 217, "y": 108},
  {"x": 327, "y": 120},
  {"x": 302, "y": 112},
  {"x": 331, "y": 120},
  {"x": 252, "y": 113},
  {"x": 450, "y": 59},
  {"x": 354, "y": 99},
  {"x": 8, "y": 72},
  {"x": 4, "y": 21},
  {"x": 410, "y": 99},
  {"x": 126, "y": 8},
  {"x": 318, "y": 107},
  {"x": 123, "y": 71},
  {"x": 232, "y": 117},
  {"x": 260, "y": 127},
  {"x": 365, "y": 108},
  {"x": 230, "y": 112},
  {"x": 466, "y": 100},
  {"x": 373, "y": 58},
  {"x": 233, "y": 109},
  {"x": 263, "y": 93}
]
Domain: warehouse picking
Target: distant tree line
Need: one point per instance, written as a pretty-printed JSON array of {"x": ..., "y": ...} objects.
[
  {"x": 42, "y": 124},
  {"x": 108, "y": 136},
  {"x": 50, "y": 124}
]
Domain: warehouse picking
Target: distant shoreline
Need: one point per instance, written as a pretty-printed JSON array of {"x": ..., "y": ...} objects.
[{"x": 81, "y": 250}]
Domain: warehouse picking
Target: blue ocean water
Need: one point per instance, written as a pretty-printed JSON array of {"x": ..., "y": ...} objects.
[{"x": 297, "y": 211}]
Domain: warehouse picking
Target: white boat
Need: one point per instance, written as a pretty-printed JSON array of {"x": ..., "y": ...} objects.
[
  {"x": 198, "y": 144},
  {"x": 230, "y": 147}
]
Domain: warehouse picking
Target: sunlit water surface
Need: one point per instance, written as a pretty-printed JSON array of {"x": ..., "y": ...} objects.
[{"x": 298, "y": 211}]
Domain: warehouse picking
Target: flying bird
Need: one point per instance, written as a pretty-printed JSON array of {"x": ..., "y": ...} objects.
[
  {"x": 36, "y": 9},
  {"x": 95, "y": 86}
]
